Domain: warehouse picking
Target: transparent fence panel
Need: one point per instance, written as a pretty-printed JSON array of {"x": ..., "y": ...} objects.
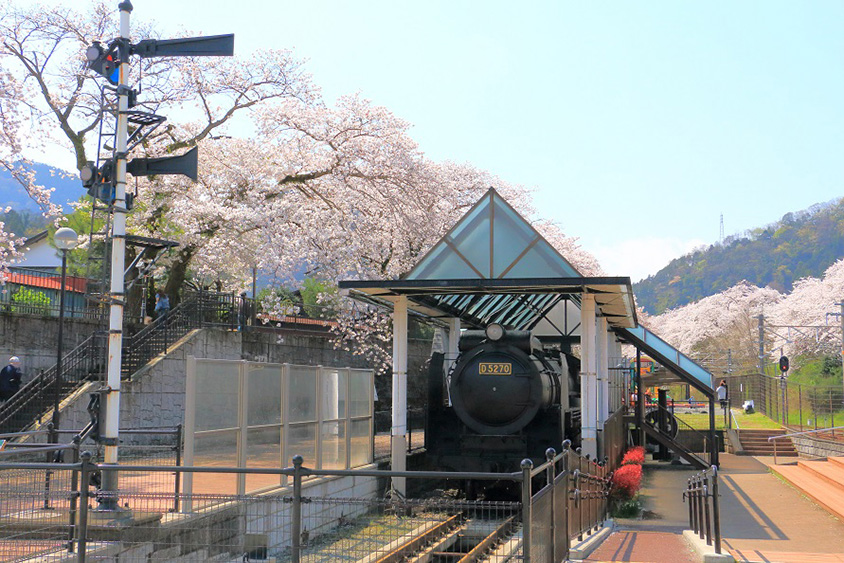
[
  {"x": 263, "y": 384},
  {"x": 263, "y": 450},
  {"x": 260, "y": 415},
  {"x": 302, "y": 441},
  {"x": 361, "y": 448},
  {"x": 360, "y": 393},
  {"x": 334, "y": 386},
  {"x": 334, "y": 445},
  {"x": 217, "y": 393},
  {"x": 302, "y": 393},
  {"x": 215, "y": 449}
]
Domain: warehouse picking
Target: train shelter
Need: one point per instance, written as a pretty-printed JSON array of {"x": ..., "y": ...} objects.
[{"x": 494, "y": 267}]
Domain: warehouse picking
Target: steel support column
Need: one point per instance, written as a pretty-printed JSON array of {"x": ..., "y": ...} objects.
[
  {"x": 588, "y": 377},
  {"x": 399, "y": 429}
]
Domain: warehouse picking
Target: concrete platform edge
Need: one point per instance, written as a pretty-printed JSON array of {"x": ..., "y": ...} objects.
[
  {"x": 582, "y": 550},
  {"x": 706, "y": 552}
]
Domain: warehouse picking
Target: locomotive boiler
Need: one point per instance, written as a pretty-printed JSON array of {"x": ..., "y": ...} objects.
[{"x": 506, "y": 398}]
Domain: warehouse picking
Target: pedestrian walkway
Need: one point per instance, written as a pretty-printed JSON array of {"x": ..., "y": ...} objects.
[
  {"x": 762, "y": 519},
  {"x": 644, "y": 546},
  {"x": 765, "y": 519}
]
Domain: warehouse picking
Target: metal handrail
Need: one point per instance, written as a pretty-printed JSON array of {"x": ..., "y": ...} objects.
[
  {"x": 791, "y": 434},
  {"x": 805, "y": 432},
  {"x": 705, "y": 516}
]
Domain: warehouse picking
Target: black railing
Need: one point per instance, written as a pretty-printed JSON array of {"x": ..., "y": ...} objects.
[
  {"x": 704, "y": 506},
  {"x": 88, "y": 361},
  {"x": 36, "y": 292},
  {"x": 664, "y": 426},
  {"x": 84, "y": 363}
]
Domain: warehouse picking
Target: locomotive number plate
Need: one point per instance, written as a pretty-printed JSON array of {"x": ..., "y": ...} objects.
[{"x": 495, "y": 368}]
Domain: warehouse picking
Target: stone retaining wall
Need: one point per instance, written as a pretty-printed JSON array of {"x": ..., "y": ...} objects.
[{"x": 812, "y": 447}]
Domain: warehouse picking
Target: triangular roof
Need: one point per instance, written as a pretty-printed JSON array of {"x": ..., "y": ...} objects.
[
  {"x": 492, "y": 241},
  {"x": 493, "y": 266}
]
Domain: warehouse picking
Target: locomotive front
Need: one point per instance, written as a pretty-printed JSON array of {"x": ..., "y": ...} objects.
[
  {"x": 498, "y": 386},
  {"x": 507, "y": 398}
]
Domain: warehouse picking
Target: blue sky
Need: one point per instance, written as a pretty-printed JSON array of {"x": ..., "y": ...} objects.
[{"x": 637, "y": 123}]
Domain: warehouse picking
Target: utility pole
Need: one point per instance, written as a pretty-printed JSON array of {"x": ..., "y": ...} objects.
[
  {"x": 761, "y": 365},
  {"x": 110, "y": 435},
  {"x": 100, "y": 180}
]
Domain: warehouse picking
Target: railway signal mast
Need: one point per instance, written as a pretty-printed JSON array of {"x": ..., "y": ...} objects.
[{"x": 108, "y": 183}]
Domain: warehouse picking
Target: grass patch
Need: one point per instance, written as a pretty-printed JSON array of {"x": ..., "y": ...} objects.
[
  {"x": 755, "y": 421},
  {"x": 626, "y": 509}
]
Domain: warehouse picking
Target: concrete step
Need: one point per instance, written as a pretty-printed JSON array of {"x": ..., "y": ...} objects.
[
  {"x": 819, "y": 490},
  {"x": 829, "y": 472},
  {"x": 767, "y": 446},
  {"x": 746, "y": 440}
]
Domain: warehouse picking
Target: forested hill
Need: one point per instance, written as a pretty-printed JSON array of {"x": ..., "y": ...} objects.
[{"x": 801, "y": 244}]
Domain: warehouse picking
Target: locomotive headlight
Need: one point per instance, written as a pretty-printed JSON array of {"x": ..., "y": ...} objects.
[{"x": 495, "y": 332}]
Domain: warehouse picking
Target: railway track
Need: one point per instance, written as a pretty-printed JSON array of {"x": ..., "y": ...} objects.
[{"x": 459, "y": 539}]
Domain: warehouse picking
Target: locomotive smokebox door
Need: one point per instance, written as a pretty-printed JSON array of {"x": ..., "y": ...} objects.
[{"x": 497, "y": 388}]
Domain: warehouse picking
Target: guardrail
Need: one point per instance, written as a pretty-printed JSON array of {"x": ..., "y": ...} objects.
[
  {"x": 804, "y": 433},
  {"x": 704, "y": 506},
  {"x": 562, "y": 498}
]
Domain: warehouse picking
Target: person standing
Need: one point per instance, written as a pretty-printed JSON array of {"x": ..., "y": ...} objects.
[
  {"x": 162, "y": 304},
  {"x": 10, "y": 379},
  {"x": 721, "y": 393}
]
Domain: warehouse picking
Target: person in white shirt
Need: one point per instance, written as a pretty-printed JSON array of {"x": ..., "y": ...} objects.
[{"x": 721, "y": 393}]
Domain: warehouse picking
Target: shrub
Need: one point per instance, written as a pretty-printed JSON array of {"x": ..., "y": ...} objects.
[
  {"x": 626, "y": 482},
  {"x": 634, "y": 456},
  {"x": 30, "y": 301},
  {"x": 626, "y": 509}
]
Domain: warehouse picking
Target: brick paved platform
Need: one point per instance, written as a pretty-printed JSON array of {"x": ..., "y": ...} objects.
[{"x": 644, "y": 546}]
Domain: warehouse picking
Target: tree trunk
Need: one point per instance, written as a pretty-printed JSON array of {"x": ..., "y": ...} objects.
[{"x": 178, "y": 274}]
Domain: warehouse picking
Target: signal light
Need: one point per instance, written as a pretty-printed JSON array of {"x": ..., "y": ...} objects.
[
  {"x": 88, "y": 174},
  {"x": 784, "y": 364},
  {"x": 99, "y": 181},
  {"x": 104, "y": 62}
]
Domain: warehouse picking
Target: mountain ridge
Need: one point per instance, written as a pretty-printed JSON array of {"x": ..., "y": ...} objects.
[{"x": 801, "y": 244}]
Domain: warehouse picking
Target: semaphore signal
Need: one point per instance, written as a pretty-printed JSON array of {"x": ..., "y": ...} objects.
[{"x": 107, "y": 182}]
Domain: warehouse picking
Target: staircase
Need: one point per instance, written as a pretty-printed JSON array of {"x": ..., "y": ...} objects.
[
  {"x": 755, "y": 442},
  {"x": 822, "y": 481},
  {"x": 87, "y": 362}
]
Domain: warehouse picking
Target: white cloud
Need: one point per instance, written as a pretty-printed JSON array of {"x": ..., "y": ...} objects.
[{"x": 640, "y": 257}]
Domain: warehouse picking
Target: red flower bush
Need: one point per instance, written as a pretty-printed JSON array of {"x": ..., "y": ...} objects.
[
  {"x": 634, "y": 456},
  {"x": 626, "y": 481}
]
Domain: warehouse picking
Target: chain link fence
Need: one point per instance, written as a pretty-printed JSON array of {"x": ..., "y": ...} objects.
[{"x": 56, "y": 512}]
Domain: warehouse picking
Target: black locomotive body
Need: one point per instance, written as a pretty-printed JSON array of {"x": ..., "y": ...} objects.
[{"x": 507, "y": 399}]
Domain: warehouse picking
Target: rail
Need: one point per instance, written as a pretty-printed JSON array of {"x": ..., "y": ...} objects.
[
  {"x": 704, "y": 506},
  {"x": 83, "y": 363},
  {"x": 803, "y": 433},
  {"x": 663, "y": 425}
]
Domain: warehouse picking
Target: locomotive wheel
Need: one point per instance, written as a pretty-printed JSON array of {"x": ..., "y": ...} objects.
[{"x": 671, "y": 423}]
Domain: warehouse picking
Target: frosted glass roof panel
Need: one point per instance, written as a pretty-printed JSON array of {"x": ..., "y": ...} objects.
[
  {"x": 445, "y": 264},
  {"x": 471, "y": 239},
  {"x": 511, "y": 235},
  {"x": 539, "y": 262},
  {"x": 495, "y": 242}
]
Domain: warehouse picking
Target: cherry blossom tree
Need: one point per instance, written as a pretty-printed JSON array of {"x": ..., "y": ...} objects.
[{"x": 47, "y": 93}]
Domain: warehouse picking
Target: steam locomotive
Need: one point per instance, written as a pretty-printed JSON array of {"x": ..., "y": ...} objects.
[{"x": 506, "y": 398}]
